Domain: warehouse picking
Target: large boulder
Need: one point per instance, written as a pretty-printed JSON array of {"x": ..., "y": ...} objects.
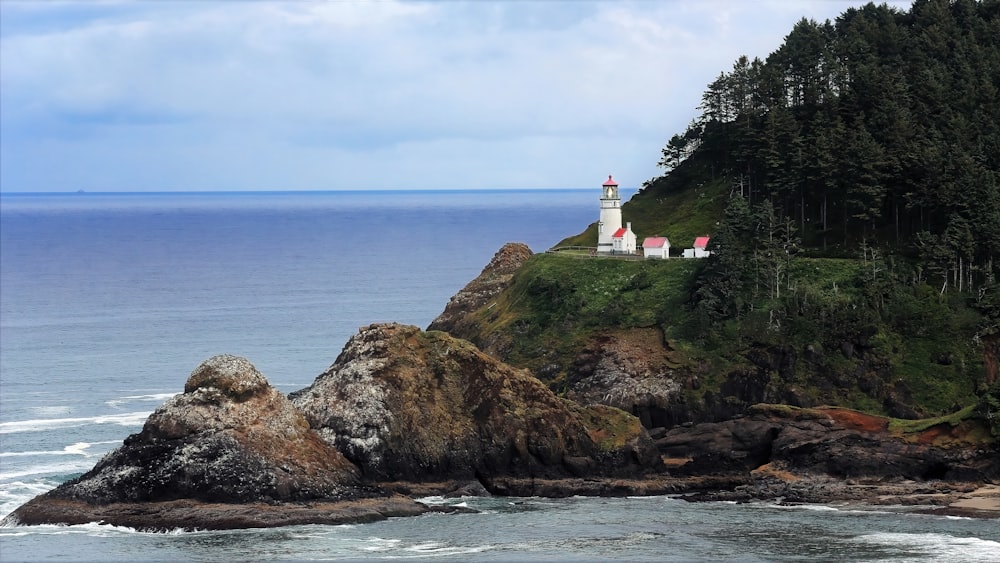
[
  {"x": 409, "y": 405},
  {"x": 630, "y": 369},
  {"x": 229, "y": 438}
]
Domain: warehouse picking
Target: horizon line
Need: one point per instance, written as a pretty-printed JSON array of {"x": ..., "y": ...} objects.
[{"x": 280, "y": 191}]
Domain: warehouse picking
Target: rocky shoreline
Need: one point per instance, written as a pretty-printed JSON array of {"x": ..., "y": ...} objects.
[
  {"x": 942, "y": 498},
  {"x": 404, "y": 414}
]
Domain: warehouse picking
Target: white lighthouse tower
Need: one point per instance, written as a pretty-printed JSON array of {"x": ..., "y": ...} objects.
[{"x": 611, "y": 216}]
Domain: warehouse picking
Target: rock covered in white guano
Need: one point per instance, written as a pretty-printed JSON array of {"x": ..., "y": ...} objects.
[
  {"x": 230, "y": 438},
  {"x": 234, "y": 376}
]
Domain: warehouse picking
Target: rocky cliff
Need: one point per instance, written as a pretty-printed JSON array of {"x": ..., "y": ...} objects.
[
  {"x": 229, "y": 437},
  {"x": 398, "y": 405},
  {"x": 404, "y": 404},
  {"x": 829, "y": 441},
  {"x": 494, "y": 278},
  {"x": 422, "y": 412}
]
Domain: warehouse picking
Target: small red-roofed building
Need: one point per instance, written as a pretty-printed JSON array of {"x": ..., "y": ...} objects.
[
  {"x": 700, "y": 249},
  {"x": 623, "y": 240},
  {"x": 656, "y": 247}
]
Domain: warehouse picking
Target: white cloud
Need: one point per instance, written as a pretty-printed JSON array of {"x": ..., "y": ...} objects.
[{"x": 326, "y": 95}]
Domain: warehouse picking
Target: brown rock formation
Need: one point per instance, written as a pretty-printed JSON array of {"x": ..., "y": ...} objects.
[
  {"x": 229, "y": 438},
  {"x": 827, "y": 441},
  {"x": 494, "y": 278},
  {"x": 630, "y": 370},
  {"x": 410, "y": 405}
]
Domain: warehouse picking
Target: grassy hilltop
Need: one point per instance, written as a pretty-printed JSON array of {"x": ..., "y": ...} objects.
[{"x": 854, "y": 209}]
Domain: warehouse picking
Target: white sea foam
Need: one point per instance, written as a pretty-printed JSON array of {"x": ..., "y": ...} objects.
[
  {"x": 47, "y": 469},
  {"x": 812, "y": 507},
  {"x": 43, "y": 424},
  {"x": 16, "y": 493},
  {"x": 32, "y": 487},
  {"x": 79, "y": 448},
  {"x": 436, "y": 549},
  {"x": 157, "y": 397},
  {"x": 92, "y": 529},
  {"x": 52, "y": 410},
  {"x": 375, "y": 544},
  {"x": 938, "y": 546}
]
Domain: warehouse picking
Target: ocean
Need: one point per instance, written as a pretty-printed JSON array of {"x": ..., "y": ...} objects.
[{"x": 109, "y": 301}]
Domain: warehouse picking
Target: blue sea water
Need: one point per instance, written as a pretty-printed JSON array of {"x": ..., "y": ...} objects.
[{"x": 108, "y": 301}]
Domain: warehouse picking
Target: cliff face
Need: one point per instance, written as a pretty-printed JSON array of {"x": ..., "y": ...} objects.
[
  {"x": 630, "y": 370},
  {"x": 417, "y": 406},
  {"x": 408, "y": 410},
  {"x": 829, "y": 441},
  {"x": 628, "y": 334},
  {"x": 398, "y": 405},
  {"x": 478, "y": 293}
]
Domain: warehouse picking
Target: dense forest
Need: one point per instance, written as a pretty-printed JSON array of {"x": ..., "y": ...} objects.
[
  {"x": 876, "y": 136},
  {"x": 850, "y": 183},
  {"x": 881, "y": 128}
]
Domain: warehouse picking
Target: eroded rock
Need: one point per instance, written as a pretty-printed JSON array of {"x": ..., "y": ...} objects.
[
  {"x": 229, "y": 438},
  {"x": 630, "y": 370},
  {"x": 494, "y": 278},
  {"x": 404, "y": 404},
  {"x": 837, "y": 443}
]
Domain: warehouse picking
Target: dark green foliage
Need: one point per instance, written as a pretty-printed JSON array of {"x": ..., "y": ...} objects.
[
  {"x": 882, "y": 125},
  {"x": 989, "y": 408},
  {"x": 851, "y": 186}
]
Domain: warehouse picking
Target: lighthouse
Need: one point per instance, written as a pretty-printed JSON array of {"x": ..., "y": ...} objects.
[{"x": 611, "y": 216}]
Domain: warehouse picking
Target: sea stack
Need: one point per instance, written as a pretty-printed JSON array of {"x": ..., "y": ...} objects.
[
  {"x": 230, "y": 439},
  {"x": 404, "y": 404}
]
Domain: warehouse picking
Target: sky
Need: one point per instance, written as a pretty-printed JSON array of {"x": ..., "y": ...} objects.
[{"x": 192, "y": 95}]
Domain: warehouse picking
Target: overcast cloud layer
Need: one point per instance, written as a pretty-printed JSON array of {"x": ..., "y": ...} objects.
[{"x": 172, "y": 95}]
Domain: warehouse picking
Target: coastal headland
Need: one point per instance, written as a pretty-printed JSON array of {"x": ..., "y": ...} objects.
[{"x": 405, "y": 413}]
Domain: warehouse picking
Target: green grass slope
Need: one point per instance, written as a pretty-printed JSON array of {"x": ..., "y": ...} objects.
[{"x": 833, "y": 337}]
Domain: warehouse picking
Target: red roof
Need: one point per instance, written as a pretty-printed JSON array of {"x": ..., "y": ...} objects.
[
  {"x": 619, "y": 233},
  {"x": 655, "y": 242},
  {"x": 701, "y": 242},
  {"x": 611, "y": 181}
]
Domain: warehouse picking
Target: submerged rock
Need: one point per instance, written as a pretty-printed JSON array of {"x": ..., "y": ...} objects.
[{"x": 404, "y": 404}]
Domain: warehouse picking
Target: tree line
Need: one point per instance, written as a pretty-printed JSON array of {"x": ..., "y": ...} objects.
[{"x": 879, "y": 129}]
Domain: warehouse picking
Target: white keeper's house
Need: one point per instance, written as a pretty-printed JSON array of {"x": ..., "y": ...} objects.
[
  {"x": 656, "y": 247},
  {"x": 623, "y": 241}
]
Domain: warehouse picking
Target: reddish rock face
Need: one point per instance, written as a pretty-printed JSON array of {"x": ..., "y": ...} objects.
[{"x": 822, "y": 441}]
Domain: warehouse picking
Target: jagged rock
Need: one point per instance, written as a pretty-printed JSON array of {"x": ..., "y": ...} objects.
[
  {"x": 825, "y": 441},
  {"x": 229, "y": 438},
  {"x": 410, "y": 405},
  {"x": 629, "y": 370},
  {"x": 494, "y": 278}
]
